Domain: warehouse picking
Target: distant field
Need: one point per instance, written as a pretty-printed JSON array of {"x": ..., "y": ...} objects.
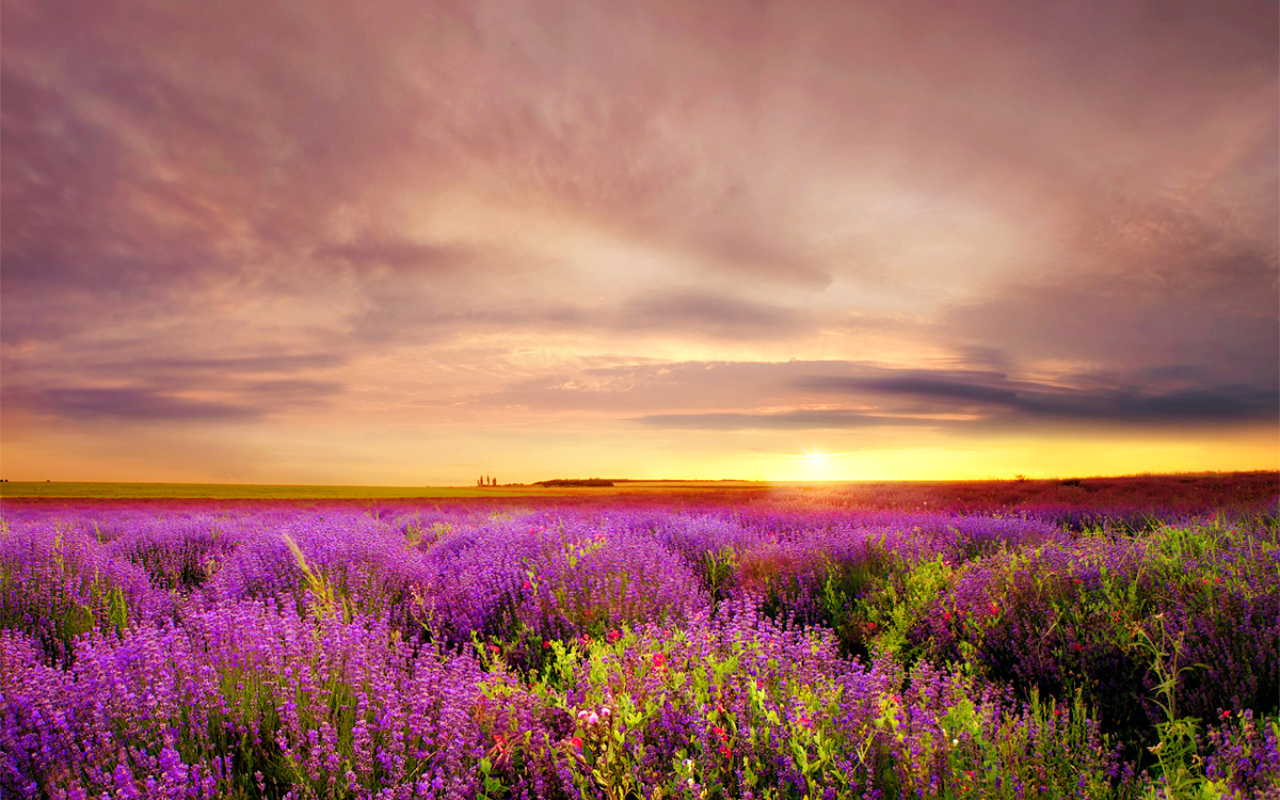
[
  {"x": 235, "y": 491},
  {"x": 227, "y": 491},
  {"x": 1189, "y": 492}
]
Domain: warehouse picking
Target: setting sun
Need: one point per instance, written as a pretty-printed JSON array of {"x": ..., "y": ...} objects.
[{"x": 816, "y": 461}]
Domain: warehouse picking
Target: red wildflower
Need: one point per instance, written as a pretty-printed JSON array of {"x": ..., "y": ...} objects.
[
  {"x": 546, "y": 644},
  {"x": 576, "y": 742},
  {"x": 659, "y": 660},
  {"x": 615, "y": 635},
  {"x": 946, "y": 616}
]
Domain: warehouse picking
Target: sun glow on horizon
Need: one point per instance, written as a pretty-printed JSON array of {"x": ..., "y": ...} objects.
[
  {"x": 1002, "y": 456},
  {"x": 817, "y": 463}
]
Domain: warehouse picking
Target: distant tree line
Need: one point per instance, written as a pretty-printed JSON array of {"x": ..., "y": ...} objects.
[{"x": 575, "y": 482}]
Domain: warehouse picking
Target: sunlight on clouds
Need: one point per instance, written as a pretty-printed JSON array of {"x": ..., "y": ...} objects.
[{"x": 950, "y": 244}]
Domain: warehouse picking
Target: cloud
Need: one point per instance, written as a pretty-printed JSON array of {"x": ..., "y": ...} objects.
[
  {"x": 697, "y": 386},
  {"x": 1215, "y": 309},
  {"x": 136, "y": 404},
  {"x": 802, "y": 419},
  {"x": 1211, "y": 405},
  {"x": 847, "y": 394},
  {"x": 169, "y": 396},
  {"x": 703, "y": 313},
  {"x": 242, "y": 365},
  {"x": 165, "y": 156},
  {"x": 277, "y": 393},
  {"x": 924, "y": 384},
  {"x": 996, "y": 398},
  {"x": 396, "y": 254},
  {"x": 422, "y": 313}
]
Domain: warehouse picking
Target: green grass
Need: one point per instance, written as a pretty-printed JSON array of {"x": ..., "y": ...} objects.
[{"x": 227, "y": 491}]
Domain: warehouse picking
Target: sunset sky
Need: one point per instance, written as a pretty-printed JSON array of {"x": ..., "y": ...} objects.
[{"x": 413, "y": 243}]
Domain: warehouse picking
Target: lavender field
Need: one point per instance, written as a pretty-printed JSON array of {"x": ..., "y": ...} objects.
[{"x": 659, "y": 649}]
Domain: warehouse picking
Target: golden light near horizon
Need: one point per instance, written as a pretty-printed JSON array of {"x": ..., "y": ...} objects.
[{"x": 811, "y": 463}]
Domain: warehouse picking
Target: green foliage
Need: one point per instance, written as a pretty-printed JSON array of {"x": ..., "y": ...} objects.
[
  {"x": 1176, "y": 752},
  {"x": 897, "y": 605},
  {"x": 718, "y": 570},
  {"x": 325, "y": 598},
  {"x": 60, "y": 600}
]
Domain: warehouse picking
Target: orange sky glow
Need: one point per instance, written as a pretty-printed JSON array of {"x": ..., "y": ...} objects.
[{"x": 411, "y": 243}]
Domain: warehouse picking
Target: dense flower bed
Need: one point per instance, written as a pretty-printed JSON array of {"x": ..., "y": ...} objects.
[{"x": 776, "y": 651}]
